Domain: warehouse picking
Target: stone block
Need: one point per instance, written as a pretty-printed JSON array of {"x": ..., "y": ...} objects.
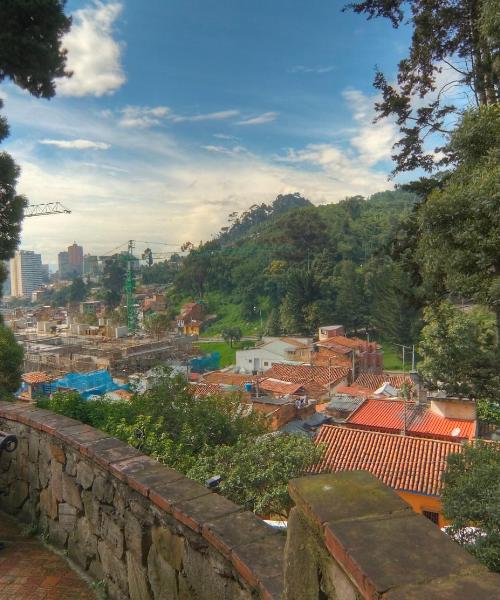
[
  {"x": 18, "y": 493},
  {"x": 82, "y": 543},
  {"x": 57, "y": 453},
  {"x": 346, "y": 495},
  {"x": 58, "y": 536},
  {"x": 71, "y": 491},
  {"x": 195, "y": 513},
  {"x": 467, "y": 587},
  {"x": 169, "y": 546},
  {"x": 44, "y": 472},
  {"x": 161, "y": 576},
  {"x": 67, "y": 516},
  {"x": 138, "y": 587},
  {"x": 113, "y": 567},
  {"x": 92, "y": 511},
  {"x": 137, "y": 538},
  {"x": 33, "y": 478},
  {"x": 84, "y": 475},
  {"x": 112, "y": 532},
  {"x": 166, "y": 494},
  {"x": 409, "y": 549},
  {"x": 33, "y": 446},
  {"x": 71, "y": 462},
  {"x": 103, "y": 489},
  {"x": 56, "y": 479}
]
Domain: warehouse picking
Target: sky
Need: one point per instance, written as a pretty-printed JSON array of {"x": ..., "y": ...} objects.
[{"x": 180, "y": 112}]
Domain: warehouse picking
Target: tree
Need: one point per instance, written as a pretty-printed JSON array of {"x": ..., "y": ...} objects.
[
  {"x": 455, "y": 36},
  {"x": 232, "y": 334},
  {"x": 31, "y": 56},
  {"x": 77, "y": 290},
  {"x": 455, "y": 351},
  {"x": 458, "y": 245},
  {"x": 157, "y": 324},
  {"x": 113, "y": 281},
  {"x": 255, "y": 471},
  {"x": 350, "y": 303},
  {"x": 11, "y": 360},
  {"x": 471, "y": 498}
]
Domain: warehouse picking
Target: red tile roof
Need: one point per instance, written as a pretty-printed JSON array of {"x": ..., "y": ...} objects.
[
  {"x": 372, "y": 381},
  {"x": 36, "y": 377},
  {"x": 276, "y": 386},
  {"x": 354, "y": 390},
  {"x": 402, "y": 462},
  {"x": 226, "y": 378},
  {"x": 389, "y": 416},
  {"x": 201, "y": 390},
  {"x": 307, "y": 373}
]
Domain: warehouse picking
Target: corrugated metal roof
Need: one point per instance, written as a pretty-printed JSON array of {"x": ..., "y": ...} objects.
[{"x": 402, "y": 462}]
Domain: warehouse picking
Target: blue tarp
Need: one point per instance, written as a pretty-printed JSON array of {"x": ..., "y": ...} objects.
[
  {"x": 95, "y": 383},
  {"x": 210, "y": 362}
]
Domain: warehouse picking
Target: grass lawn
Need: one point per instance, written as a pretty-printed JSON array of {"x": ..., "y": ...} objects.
[
  {"x": 227, "y": 354},
  {"x": 392, "y": 358}
]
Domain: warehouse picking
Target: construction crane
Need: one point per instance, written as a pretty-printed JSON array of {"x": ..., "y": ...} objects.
[{"x": 40, "y": 210}]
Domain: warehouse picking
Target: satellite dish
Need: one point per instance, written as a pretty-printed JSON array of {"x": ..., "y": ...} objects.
[{"x": 456, "y": 432}]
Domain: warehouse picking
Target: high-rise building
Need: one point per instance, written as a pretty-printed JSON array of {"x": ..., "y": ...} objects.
[
  {"x": 63, "y": 265},
  {"x": 75, "y": 258},
  {"x": 90, "y": 265},
  {"x": 25, "y": 273}
]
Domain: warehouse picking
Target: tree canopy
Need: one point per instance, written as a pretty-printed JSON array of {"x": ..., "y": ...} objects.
[
  {"x": 455, "y": 43},
  {"x": 471, "y": 498}
]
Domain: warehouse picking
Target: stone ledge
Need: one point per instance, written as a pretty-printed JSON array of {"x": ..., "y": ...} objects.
[{"x": 258, "y": 559}]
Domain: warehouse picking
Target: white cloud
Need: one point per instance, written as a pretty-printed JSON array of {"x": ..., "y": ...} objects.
[
  {"x": 373, "y": 141},
  {"x": 77, "y": 144},
  {"x": 224, "y": 136},
  {"x": 142, "y": 116},
  {"x": 234, "y": 151},
  {"x": 213, "y": 116},
  {"x": 260, "y": 119},
  {"x": 318, "y": 70},
  {"x": 93, "y": 54}
]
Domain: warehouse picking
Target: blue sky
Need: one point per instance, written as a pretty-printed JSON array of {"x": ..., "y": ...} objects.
[{"x": 182, "y": 111}]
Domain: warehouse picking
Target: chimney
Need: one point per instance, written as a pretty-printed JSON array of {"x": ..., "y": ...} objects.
[{"x": 421, "y": 392}]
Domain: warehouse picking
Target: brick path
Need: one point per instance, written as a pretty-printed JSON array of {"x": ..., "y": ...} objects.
[{"x": 30, "y": 571}]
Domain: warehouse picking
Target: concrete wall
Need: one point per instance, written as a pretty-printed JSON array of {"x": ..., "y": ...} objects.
[{"x": 149, "y": 533}]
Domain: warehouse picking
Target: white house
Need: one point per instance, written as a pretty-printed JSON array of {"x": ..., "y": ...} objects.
[{"x": 271, "y": 350}]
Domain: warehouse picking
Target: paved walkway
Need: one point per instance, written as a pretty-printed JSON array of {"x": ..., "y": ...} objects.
[{"x": 30, "y": 571}]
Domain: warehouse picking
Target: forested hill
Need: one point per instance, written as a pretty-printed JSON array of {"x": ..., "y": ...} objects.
[{"x": 301, "y": 265}]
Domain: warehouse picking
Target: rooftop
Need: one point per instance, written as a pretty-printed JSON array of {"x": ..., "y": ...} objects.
[
  {"x": 373, "y": 381},
  {"x": 389, "y": 416},
  {"x": 306, "y": 373},
  {"x": 404, "y": 463}
]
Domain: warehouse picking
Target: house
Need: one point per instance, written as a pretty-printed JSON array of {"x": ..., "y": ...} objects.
[
  {"x": 191, "y": 318},
  {"x": 272, "y": 349},
  {"x": 412, "y": 466},
  {"x": 373, "y": 381},
  {"x": 318, "y": 382},
  {"x": 419, "y": 420},
  {"x": 33, "y": 383}
]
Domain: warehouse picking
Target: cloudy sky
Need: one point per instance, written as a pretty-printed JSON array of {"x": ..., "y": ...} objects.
[{"x": 182, "y": 111}]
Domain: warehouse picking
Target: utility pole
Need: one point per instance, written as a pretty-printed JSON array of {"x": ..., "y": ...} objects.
[
  {"x": 329, "y": 379},
  {"x": 130, "y": 289}
]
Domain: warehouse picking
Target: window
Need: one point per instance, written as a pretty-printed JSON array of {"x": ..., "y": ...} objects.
[
  {"x": 432, "y": 516},
  {"x": 266, "y": 363},
  {"x": 250, "y": 360}
]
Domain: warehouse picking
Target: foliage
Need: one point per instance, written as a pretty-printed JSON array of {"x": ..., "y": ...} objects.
[
  {"x": 458, "y": 246},
  {"x": 293, "y": 266},
  {"x": 231, "y": 335},
  {"x": 227, "y": 353},
  {"x": 113, "y": 281},
  {"x": 200, "y": 436},
  {"x": 471, "y": 497},
  {"x": 163, "y": 272},
  {"x": 458, "y": 37},
  {"x": 157, "y": 324},
  {"x": 11, "y": 362},
  {"x": 456, "y": 351},
  {"x": 255, "y": 471}
]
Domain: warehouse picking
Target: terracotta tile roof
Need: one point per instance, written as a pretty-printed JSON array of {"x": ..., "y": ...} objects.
[
  {"x": 226, "y": 378},
  {"x": 402, "y": 462},
  {"x": 307, "y": 373},
  {"x": 277, "y": 386},
  {"x": 372, "y": 381},
  {"x": 294, "y": 342},
  {"x": 354, "y": 390},
  {"x": 200, "y": 390},
  {"x": 333, "y": 346},
  {"x": 36, "y": 377},
  {"x": 389, "y": 416}
]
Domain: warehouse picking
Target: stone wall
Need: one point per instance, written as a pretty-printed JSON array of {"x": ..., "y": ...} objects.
[
  {"x": 149, "y": 533},
  {"x": 144, "y": 530}
]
